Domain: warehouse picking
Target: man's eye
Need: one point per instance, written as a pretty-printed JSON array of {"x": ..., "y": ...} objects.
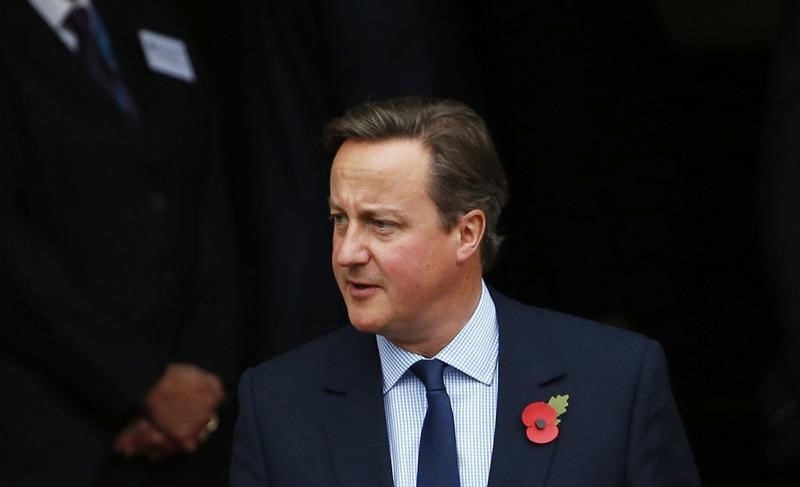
[
  {"x": 338, "y": 219},
  {"x": 383, "y": 224}
]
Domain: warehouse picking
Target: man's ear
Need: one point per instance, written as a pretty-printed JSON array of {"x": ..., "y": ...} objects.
[{"x": 470, "y": 229}]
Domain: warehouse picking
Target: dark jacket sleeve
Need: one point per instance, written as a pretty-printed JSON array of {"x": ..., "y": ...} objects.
[
  {"x": 658, "y": 452},
  {"x": 48, "y": 319}
]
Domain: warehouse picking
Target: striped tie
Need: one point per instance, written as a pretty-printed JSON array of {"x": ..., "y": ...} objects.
[{"x": 94, "y": 51}]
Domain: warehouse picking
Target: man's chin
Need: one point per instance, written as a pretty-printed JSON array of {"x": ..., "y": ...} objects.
[{"x": 366, "y": 325}]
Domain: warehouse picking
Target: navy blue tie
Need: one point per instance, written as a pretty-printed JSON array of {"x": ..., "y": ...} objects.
[
  {"x": 94, "y": 51},
  {"x": 438, "y": 457}
]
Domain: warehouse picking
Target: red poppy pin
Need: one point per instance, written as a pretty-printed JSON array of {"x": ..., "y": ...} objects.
[{"x": 541, "y": 418}]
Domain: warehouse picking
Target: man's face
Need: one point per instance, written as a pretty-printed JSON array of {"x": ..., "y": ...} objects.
[{"x": 395, "y": 264}]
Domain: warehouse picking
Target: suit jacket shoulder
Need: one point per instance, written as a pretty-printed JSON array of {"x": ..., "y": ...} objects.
[
  {"x": 621, "y": 426},
  {"x": 562, "y": 340},
  {"x": 314, "y": 416}
]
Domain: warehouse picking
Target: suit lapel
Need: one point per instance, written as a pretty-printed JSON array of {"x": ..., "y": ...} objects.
[
  {"x": 527, "y": 364},
  {"x": 356, "y": 431},
  {"x": 40, "y": 50}
]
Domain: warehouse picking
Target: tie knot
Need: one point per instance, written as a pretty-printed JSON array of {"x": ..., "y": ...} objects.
[
  {"x": 431, "y": 373},
  {"x": 77, "y": 20}
]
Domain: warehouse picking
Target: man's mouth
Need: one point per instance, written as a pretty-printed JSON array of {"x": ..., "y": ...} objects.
[
  {"x": 362, "y": 289},
  {"x": 362, "y": 285}
]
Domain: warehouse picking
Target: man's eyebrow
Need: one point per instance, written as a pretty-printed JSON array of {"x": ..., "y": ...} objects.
[
  {"x": 381, "y": 211},
  {"x": 370, "y": 212}
]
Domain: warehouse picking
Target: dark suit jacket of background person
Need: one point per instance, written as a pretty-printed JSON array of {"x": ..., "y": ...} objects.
[
  {"x": 115, "y": 256},
  {"x": 315, "y": 416}
]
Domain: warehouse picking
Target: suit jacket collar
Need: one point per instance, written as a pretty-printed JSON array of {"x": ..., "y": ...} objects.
[
  {"x": 356, "y": 431},
  {"x": 528, "y": 365}
]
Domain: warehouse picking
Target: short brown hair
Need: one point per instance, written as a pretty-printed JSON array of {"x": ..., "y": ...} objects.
[{"x": 465, "y": 173}]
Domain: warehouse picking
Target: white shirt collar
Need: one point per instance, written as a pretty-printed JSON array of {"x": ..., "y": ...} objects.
[
  {"x": 473, "y": 351},
  {"x": 54, "y": 11}
]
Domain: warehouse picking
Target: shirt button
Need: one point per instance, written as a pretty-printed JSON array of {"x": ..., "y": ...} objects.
[{"x": 157, "y": 202}]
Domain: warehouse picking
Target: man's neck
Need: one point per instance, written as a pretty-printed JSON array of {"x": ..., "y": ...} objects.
[{"x": 459, "y": 311}]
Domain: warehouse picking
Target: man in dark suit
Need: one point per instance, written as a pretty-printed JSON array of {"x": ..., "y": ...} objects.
[
  {"x": 441, "y": 381},
  {"x": 117, "y": 292}
]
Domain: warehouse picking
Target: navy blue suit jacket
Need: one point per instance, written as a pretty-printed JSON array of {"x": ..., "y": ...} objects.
[{"x": 315, "y": 417}]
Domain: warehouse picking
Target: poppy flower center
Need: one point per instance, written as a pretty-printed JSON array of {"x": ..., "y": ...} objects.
[{"x": 540, "y": 423}]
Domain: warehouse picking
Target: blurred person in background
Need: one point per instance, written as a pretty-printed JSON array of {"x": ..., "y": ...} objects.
[{"x": 117, "y": 282}]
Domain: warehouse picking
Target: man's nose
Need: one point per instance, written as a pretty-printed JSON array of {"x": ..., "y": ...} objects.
[{"x": 350, "y": 248}]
